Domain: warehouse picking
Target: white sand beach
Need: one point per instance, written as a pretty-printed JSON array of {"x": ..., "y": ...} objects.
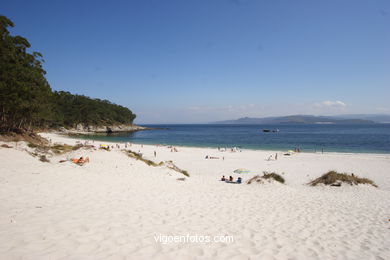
[{"x": 114, "y": 207}]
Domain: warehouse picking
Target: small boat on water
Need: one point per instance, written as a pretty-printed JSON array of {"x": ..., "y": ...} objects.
[{"x": 269, "y": 130}]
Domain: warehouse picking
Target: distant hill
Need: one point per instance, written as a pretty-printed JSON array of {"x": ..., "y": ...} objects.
[
  {"x": 297, "y": 119},
  {"x": 377, "y": 118}
]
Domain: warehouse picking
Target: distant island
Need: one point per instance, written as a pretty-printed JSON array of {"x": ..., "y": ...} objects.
[{"x": 310, "y": 119}]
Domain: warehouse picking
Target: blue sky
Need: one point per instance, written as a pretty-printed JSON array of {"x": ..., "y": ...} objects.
[{"x": 201, "y": 61}]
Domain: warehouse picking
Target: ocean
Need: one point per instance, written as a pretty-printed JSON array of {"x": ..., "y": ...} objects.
[{"x": 371, "y": 138}]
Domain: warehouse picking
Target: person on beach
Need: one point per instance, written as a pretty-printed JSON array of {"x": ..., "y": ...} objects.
[
  {"x": 81, "y": 160},
  {"x": 223, "y": 178},
  {"x": 276, "y": 156},
  {"x": 155, "y": 154},
  {"x": 230, "y": 178},
  {"x": 239, "y": 180}
]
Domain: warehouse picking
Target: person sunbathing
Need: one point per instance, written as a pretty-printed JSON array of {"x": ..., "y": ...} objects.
[
  {"x": 238, "y": 181},
  {"x": 81, "y": 160},
  {"x": 223, "y": 178}
]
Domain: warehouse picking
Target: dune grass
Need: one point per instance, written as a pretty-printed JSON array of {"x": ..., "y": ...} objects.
[
  {"x": 43, "y": 150},
  {"x": 172, "y": 166},
  {"x": 43, "y": 158},
  {"x": 273, "y": 175},
  {"x": 266, "y": 176},
  {"x": 56, "y": 148},
  {"x": 32, "y": 145},
  {"x": 63, "y": 148},
  {"x": 138, "y": 156},
  {"x": 334, "y": 178}
]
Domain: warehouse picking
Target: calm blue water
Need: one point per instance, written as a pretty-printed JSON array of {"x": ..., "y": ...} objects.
[{"x": 373, "y": 138}]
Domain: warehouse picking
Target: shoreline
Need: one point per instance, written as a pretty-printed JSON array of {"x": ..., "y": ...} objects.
[{"x": 72, "y": 136}]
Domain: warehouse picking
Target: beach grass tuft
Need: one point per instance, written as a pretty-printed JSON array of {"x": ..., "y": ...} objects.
[
  {"x": 273, "y": 175},
  {"x": 138, "y": 156},
  {"x": 31, "y": 145},
  {"x": 65, "y": 148},
  {"x": 334, "y": 178},
  {"x": 172, "y": 166},
  {"x": 43, "y": 158},
  {"x": 266, "y": 176}
]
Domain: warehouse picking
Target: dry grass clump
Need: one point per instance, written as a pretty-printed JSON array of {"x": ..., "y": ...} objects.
[
  {"x": 334, "y": 178},
  {"x": 169, "y": 164},
  {"x": 42, "y": 150},
  {"x": 273, "y": 175},
  {"x": 32, "y": 145},
  {"x": 43, "y": 158},
  {"x": 172, "y": 166},
  {"x": 256, "y": 178},
  {"x": 26, "y": 136},
  {"x": 39, "y": 148},
  {"x": 65, "y": 148},
  {"x": 138, "y": 156},
  {"x": 266, "y": 176}
]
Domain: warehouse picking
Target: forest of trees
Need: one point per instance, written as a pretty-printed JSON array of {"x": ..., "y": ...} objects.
[{"x": 27, "y": 101}]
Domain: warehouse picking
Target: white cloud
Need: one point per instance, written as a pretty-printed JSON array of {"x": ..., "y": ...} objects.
[
  {"x": 331, "y": 104},
  {"x": 382, "y": 109},
  {"x": 194, "y": 108}
]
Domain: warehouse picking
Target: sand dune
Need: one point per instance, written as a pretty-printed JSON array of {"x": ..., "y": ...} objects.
[{"x": 115, "y": 206}]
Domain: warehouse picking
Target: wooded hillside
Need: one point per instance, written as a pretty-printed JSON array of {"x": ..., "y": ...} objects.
[{"x": 27, "y": 101}]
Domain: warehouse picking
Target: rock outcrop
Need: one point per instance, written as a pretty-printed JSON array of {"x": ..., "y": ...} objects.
[{"x": 89, "y": 129}]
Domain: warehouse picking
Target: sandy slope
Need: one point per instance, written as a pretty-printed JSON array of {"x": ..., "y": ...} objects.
[{"x": 113, "y": 207}]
